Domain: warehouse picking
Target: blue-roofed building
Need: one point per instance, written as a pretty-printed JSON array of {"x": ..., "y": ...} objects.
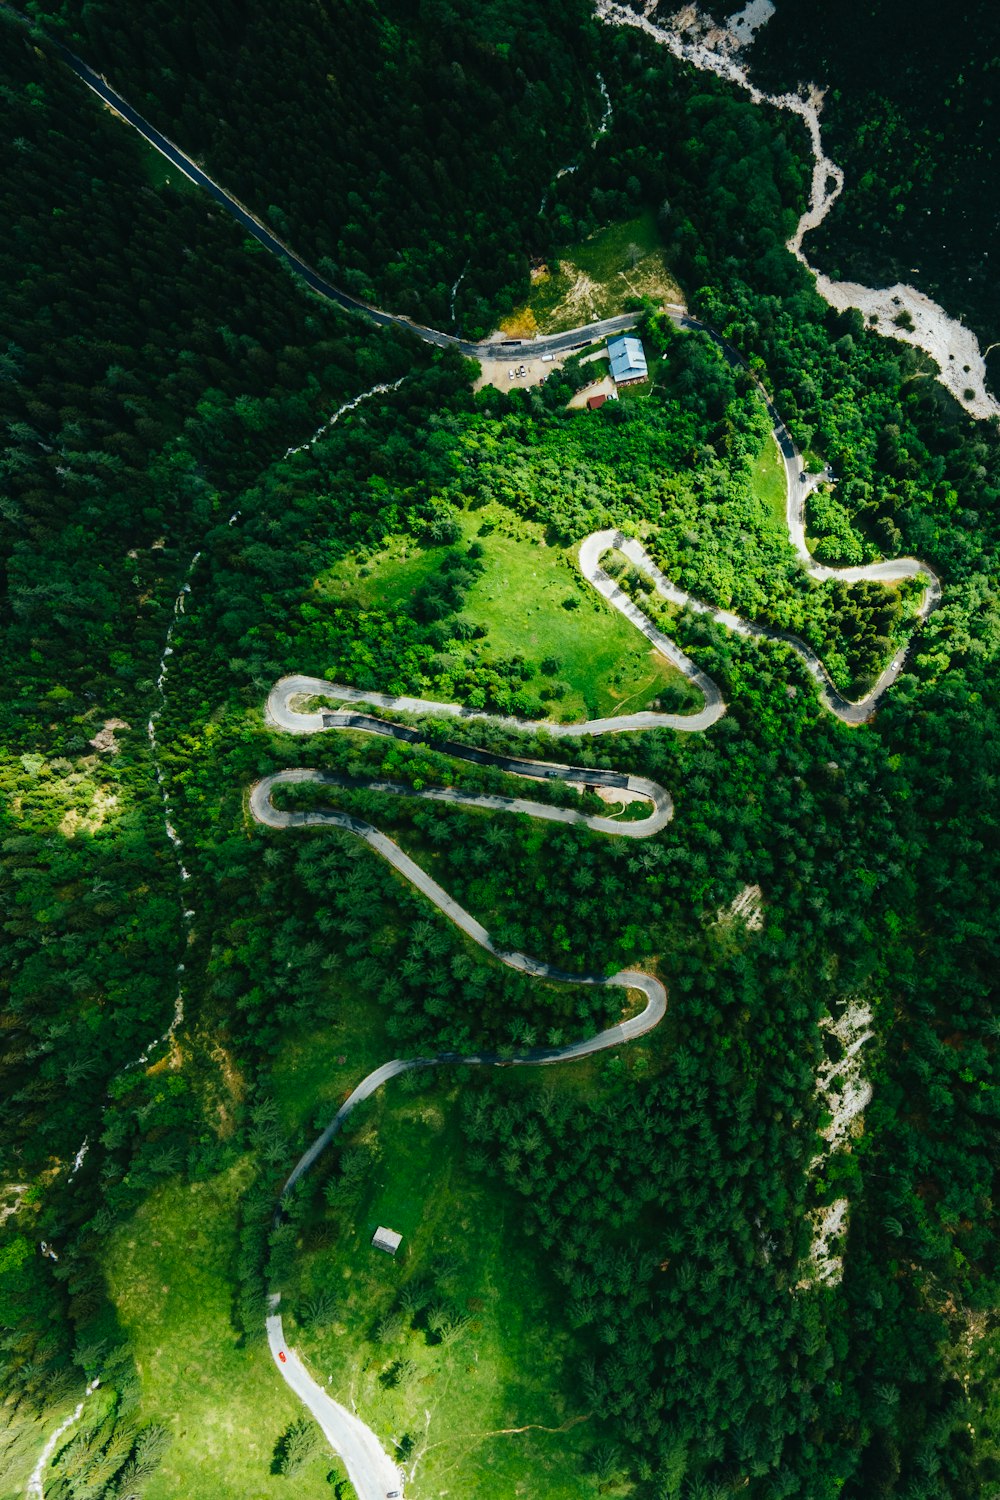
[{"x": 628, "y": 360}]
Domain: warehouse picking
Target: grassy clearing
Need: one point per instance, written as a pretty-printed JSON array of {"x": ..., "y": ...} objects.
[
  {"x": 170, "y": 1274},
  {"x": 521, "y": 601},
  {"x": 315, "y": 1070},
  {"x": 161, "y": 173},
  {"x": 768, "y": 481},
  {"x": 453, "y": 1401},
  {"x": 593, "y": 279}
]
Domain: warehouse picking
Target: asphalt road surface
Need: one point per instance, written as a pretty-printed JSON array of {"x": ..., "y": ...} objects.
[
  {"x": 372, "y": 1471},
  {"x": 493, "y": 349},
  {"x": 367, "y": 1463}
]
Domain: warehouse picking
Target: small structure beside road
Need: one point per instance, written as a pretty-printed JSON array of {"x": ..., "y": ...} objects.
[
  {"x": 387, "y": 1240},
  {"x": 593, "y": 396},
  {"x": 628, "y": 360}
]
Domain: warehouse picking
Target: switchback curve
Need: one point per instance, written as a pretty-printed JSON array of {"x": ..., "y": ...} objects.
[
  {"x": 371, "y": 1469},
  {"x": 848, "y": 712},
  {"x": 372, "y": 1472}
]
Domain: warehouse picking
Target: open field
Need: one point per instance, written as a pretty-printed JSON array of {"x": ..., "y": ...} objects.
[
  {"x": 595, "y": 278},
  {"x": 170, "y": 1273},
  {"x": 768, "y": 481},
  {"x": 521, "y": 599},
  {"x": 472, "y": 1377}
]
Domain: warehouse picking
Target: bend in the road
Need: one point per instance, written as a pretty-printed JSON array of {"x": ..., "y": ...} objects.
[
  {"x": 632, "y": 789},
  {"x": 847, "y": 711},
  {"x": 502, "y": 350},
  {"x": 371, "y": 1470}
]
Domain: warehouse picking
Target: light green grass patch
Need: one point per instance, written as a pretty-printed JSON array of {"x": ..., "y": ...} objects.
[
  {"x": 768, "y": 481},
  {"x": 170, "y": 1275},
  {"x": 594, "y": 278},
  {"x": 495, "y": 1406},
  {"x": 309, "y": 1079},
  {"x": 520, "y": 600},
  {"x": 162, "y": 173}
]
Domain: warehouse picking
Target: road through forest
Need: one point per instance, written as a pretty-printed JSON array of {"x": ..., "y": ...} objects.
[{"x": 373, "y": 1472}]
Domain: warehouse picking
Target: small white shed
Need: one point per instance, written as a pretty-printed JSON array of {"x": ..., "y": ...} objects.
[{"x": 387, "y": 1240}]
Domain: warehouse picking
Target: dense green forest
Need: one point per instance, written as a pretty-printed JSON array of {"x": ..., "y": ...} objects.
[
  {"x": 912, "y": 114},
  {"x": 425, "y": 136},
  {"x": 151, "y": 362},
  {"x": 157, "y": 370}
]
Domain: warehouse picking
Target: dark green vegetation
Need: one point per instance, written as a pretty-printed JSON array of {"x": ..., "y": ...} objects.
[
  {"x": 433, "y": 128},
  {"x": 912, "y": 114},
  {"x": 450, "y": 1345},
  {"x": 667, "y": 1194},
  {"x": 151, "y": 364}
]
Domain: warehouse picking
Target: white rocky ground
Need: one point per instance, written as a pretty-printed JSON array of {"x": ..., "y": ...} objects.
[
  {"x": 826, "y": 1253},
  {"x": 841, "y": 1084},
  {"x": 104, "y": 740},
  {"x": 692, "y": 35},
  {"x": 747, "y": 907},
  {"x": 11, "y": 1194},
  {"x": 845, "y": 1092}
]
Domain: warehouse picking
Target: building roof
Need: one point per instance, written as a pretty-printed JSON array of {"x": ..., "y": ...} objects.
[
  {"x": 387, "y": 1239},
  {"x": 598, "y": 399},
  {"x": 628, "y": 358}
]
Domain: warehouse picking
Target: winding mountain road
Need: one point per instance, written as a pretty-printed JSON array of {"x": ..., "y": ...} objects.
[{"x": 372, "y": 1471}]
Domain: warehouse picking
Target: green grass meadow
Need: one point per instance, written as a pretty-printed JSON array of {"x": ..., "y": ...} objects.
[
  {"x": 494, "y": 1407},
  {"x": 170, "y": 1273},
  {"x": 768, "y": 482},
  {"x": 520, "y": 600}
]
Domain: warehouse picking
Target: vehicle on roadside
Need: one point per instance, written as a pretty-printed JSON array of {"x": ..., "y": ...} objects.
[{"x": 547, "y": 359}]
